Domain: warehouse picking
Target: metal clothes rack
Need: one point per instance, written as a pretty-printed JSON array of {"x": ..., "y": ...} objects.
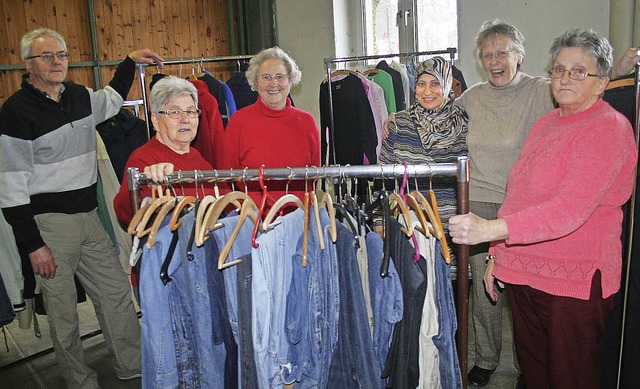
[
  {"x": 630, "y": 229},
  {"x": 135, "y": 104},
  {"x": 333, "y": 60},
  {"x": 181, "y": 61},
  {"x": 460, "y": 170}
]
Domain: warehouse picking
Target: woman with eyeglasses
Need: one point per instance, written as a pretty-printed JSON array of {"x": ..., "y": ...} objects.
[
  {"x": 556, "y": 241},
  {"x": 271, "y": 131},
  {"x": 175, "y": 115},
  {"x": 501, "y": 112}
]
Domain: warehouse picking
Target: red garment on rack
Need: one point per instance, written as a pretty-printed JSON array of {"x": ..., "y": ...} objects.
[{"x": 209, "y": 140}]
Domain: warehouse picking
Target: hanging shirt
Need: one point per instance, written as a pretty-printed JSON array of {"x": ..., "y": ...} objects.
[{"x": 210, "y": 138}]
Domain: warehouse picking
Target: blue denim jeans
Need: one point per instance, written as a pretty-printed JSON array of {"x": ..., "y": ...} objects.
[
  {"x": 240, "y": 248},
  {"x": 216, "y": 349},
  {"x": 159, "y": 366},
  {"x": 247, "y": 362},
  {"x": 312, "y": 310},
  {"x": 185, "y": 339},
  {"x": 450, "y": 376},
  {"x": 354, "y": 364},
  {"x": 271, "y": 279},
  {"x": 386, "y": 298}
]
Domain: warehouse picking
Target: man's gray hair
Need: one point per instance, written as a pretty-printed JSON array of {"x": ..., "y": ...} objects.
[{"x": 27, "y": 40}]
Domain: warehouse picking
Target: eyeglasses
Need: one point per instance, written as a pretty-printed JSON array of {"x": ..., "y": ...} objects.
[
  {"x": 500, "y": 54},
  {"x": 575, "y": 73},
  {"x": 177, "y": 113},
  {"x": 266, "y": 78},
  {"x": 47, "y": 56}
]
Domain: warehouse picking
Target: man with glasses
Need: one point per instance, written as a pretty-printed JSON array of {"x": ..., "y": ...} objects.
[{"x": 48, "y": 176}]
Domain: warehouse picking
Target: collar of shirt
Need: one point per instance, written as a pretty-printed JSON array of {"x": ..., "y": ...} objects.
[{"x": 46, "y": 94}]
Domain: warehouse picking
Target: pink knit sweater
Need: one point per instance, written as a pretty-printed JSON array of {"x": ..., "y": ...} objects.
[{"x": 563, "y": 203}]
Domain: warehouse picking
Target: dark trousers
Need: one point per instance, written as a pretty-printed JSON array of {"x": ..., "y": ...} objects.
[{"x": 556, "y": 337}]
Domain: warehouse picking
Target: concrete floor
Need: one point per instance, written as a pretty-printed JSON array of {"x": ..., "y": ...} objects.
[{"x": 42, "y": 372}]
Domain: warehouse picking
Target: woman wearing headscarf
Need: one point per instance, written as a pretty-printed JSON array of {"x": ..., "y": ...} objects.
[{"x": 432, "y": 130}]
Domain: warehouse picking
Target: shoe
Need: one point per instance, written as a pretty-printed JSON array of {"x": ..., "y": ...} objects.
[
  {"x": 478, "y": 376},
  {"x": 521, "y": 383},
  {"x": 129, "y": 377}
]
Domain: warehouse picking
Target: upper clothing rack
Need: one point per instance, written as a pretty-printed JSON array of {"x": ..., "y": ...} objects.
[
  {"x": 460, "y": 170},
  {"x": 332, "y": 60},
  {"x": 181, "y": 61}
]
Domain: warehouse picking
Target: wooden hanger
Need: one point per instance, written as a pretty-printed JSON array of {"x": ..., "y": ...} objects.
[
  {"x": 443, "y": 241},
  {"x": 185, "y": 201},
  {"x": 429, "y": 211},
  {"x": 287, "y": 199},
  {"x": 202, "y": 209},
  {"x": 438, "y": 230},
  {"x": 316, "y": 214},
  {"x": 160, "y": 216},
  {"x": 141, "y": 229},
  {"x": 248, "y": 209},
  {"x": 325, "y": 200},
  {"x": 194, "y": 76},
  {"x": 263, "y": 203},
  {"x": 370, "y": 71},
  {"x": 305, "y": 230},
  {"x": 413, "y": 204},
  {"x": 137, "y": 217},
  {"x": 213, "y": 213},
  {"x": 341, "y": 72},
  {"x": 408, "y": 230}
]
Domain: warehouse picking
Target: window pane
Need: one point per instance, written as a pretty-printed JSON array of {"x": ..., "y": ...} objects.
[
  {"x": 437, "y": 24},
  {"x": 382, "y": 30}
]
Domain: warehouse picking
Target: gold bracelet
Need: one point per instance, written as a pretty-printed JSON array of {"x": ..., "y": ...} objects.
[{"x": 489, "y": 257}]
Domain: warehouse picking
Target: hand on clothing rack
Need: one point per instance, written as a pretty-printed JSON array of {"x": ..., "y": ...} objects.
[{"x": 146, "y": 56}]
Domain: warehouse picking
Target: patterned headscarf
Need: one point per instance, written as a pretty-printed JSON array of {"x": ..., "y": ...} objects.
[
  {"x": 443, "y": 125},
  {"x": 439, "y": 68}
]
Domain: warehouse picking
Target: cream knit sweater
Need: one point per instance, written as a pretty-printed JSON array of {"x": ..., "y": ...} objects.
[{"x": 500, "y": 119}]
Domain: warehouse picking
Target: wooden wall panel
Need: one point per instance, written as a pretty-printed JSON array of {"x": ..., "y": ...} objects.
[{"x": 174, "y": 29}]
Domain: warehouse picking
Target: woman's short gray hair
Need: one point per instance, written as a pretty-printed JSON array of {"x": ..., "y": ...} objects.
[
  {"x": 27, "y": 40},
  {"x": 497, "y": 27},
  {"x": 168, "y": 89},
  {"x": 295, "y": 75},
  {"x": 589, "y": 41}
]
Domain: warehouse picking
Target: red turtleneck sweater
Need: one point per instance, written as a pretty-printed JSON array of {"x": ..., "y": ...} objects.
[{"x": 259, "y": 135}]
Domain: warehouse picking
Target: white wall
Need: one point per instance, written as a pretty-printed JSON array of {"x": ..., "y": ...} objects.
[
  {"x": 312, "y": 30},
  {"x": 539, "y": 21},
  {"x": 305, "y": 28}
]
